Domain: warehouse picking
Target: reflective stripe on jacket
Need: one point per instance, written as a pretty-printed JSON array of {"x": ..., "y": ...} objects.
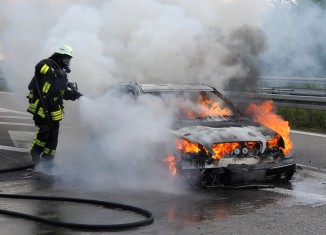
[{"x": 51, "y": 88}]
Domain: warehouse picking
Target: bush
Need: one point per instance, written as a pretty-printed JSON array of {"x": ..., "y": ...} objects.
[{"x": 304, "y": 119}]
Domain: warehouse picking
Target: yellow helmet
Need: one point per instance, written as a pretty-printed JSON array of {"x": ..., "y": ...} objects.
[{"x": 65, "y": 50}]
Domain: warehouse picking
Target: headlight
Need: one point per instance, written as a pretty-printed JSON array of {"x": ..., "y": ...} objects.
[
  {"x": 236, "y": 151},
  {"x": 245, "y": 150}
]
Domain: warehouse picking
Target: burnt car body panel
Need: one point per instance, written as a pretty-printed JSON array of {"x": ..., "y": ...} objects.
[
  {"x": 207, "y": 135},
  {"x": 256, "y": 162}
]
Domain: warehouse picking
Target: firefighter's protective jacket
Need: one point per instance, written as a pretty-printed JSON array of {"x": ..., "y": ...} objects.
[{"x": 49, "y": 81}]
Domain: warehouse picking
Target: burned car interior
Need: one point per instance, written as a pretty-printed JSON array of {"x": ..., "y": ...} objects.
[{"x": 215, "y": 144}]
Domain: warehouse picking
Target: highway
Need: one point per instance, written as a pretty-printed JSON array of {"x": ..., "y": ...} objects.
[
  {"x": 309, "y": 149},
  {"x": 297, "y": 207}
]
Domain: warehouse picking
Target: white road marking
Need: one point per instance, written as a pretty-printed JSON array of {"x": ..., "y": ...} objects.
[
  {"x": 311, "y": 197},
  {"x": 308, "y": 133},
  {"x": 21, "y": 139},
  {"x": 17, "y": 117},
  {"x": 312, "y": 167},
  {"x": 10, "y": 148},
  {"x": 16, "y": 124},
  {"x": 299, "y": 194},
  {"x": 3, "y": 110}
]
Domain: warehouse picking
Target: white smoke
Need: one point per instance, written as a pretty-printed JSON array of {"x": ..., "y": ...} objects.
[
  {"x": 120, "y": 142},
  {"x": 296, "y": 39},
  {"x": 145, "y": 40},
  {"x": 121, "y": 145}
]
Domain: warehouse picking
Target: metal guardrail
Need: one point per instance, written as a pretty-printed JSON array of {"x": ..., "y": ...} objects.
[
  {"x": 291, "y": 101},
  {"x": 299, "y": 92},
  {"x": 293, "y": 82},
  {"x": 293, "y": 92}
]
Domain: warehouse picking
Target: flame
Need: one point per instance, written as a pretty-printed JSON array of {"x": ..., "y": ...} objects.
[
  {"x": 221, "y": 149},
  {"x": 251, "y": 145},
  {"x": 209, "y": 108},
  {"x": 186, "y": 146},
  {"x": 273, "y": 142},
  {"x": 171, "y": 161},
  {"x": 265, "y": 115}
]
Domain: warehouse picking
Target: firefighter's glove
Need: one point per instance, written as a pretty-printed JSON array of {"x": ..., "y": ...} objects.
[
  {"x": 67, "y": 69},
  {"x": 72, "y": 85},
  {"x": 74, "y": 90},
  {"x": 60, "y": 73}
]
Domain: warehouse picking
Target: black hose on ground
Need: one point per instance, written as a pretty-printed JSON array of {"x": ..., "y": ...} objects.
[{"x": 148, "y": 215}]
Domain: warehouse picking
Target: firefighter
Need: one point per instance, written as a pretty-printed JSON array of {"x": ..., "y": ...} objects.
[{"x": 47, "y": 90}]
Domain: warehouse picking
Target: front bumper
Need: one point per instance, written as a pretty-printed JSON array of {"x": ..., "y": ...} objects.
[
  {"x": 262, "y": 172},
  {"x": 246, "y": 170}
]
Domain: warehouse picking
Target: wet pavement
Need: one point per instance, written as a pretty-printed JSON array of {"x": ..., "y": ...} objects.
[
  {"x": 11, "y": 160},
  {"x": 296, "y": 207}
]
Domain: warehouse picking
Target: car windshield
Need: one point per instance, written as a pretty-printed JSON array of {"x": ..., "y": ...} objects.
[{"x": 196, "y": 104}]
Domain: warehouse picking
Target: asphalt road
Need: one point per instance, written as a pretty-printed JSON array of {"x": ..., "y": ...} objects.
[
  {"x": 310, "y": 149},
  {"x": 297, "y": 207}
]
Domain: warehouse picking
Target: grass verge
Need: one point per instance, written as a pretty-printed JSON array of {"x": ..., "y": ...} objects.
[{"x": 304, "y": 119}]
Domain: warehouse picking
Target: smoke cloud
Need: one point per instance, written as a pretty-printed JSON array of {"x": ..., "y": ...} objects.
[
  {"x": 121, "y": 144},
  {"x": 119, "y": 141},
  {"x": 145, "y": 41},
  {"x": 296, "y": 39}
]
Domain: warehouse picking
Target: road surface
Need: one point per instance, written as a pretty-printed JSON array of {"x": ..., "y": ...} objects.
[{"x": 297, "y": 207}]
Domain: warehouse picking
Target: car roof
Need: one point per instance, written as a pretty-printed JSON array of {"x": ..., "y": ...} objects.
[{"x": 147, "y": 88}]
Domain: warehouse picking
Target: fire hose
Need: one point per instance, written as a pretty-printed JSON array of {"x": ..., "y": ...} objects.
[{"x": 149, "y": 218}]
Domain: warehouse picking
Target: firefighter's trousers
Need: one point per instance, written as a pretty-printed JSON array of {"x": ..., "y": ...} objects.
[{"x": 46, "y": 139}]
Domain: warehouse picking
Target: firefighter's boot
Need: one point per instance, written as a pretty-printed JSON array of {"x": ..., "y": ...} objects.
[
  {"x": 35, "y": 155},
  {"x": 47, "y": 160}
]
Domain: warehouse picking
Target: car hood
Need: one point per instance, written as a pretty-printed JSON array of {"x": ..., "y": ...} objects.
[{"x": 208, "y": 135}]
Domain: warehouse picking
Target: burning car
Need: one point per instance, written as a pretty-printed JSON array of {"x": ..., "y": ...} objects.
[{"x": 216, "y": 144}]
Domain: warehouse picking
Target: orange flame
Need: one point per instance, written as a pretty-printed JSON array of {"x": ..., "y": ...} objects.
[
  {"x": 219, "y": 149},
  {"x": 171, "y": 161},
  {"x": 265, "y": 115},
  {"x": 186, "y": 146},
  {"x": 273, "y": 142},
  {"x": 223, "y": 148},
  {"x": 209, "y": 108}
]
